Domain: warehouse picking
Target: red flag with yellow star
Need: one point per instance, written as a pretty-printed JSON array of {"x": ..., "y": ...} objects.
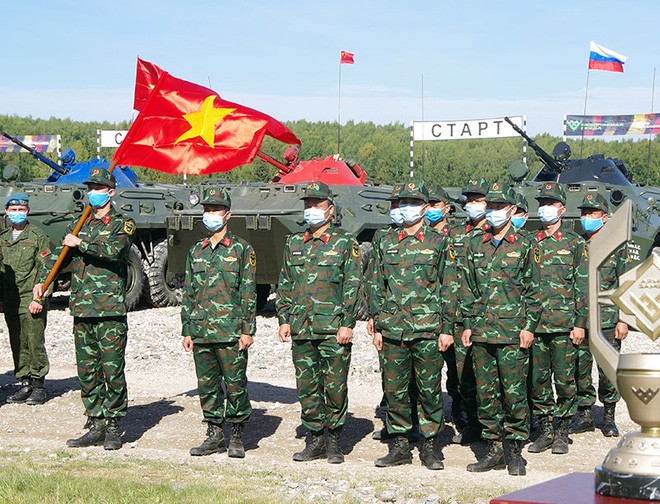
[
  {"x": 146, "y": 77},
  {"x": 185, "y": 128}
]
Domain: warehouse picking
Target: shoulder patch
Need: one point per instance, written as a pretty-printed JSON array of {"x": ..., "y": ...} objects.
[
  {"x": 452, "y": 252},
  {"x": 537, "y": 255},
  {"x": 129, "y": 227},
  {"x": 585, "y": 251},
  {"x": 355, "y": 250},
  {"x": 252, "y": 258}
]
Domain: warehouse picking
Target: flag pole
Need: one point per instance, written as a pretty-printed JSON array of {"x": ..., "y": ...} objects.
[
  {"x": 423, "y": 152},
  {"x": 339, "y": 114},
  {"x": 648, "y": 169},
  {"x": 586, "y": 93}
]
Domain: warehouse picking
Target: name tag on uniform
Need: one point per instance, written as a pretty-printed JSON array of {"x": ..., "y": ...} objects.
[
  {"x": 198, "y": 260},
  {"x": 296, "y": 253},
  {"x": 564, "y": 252},
  {"x": 458, "y": 244},
  {"x": 478, "y": 254},
  {"x": 513, "y": 254},
  {"x": 392, "y": 251}
]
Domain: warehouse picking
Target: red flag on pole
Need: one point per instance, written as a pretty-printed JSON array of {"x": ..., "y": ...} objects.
[
  {"x": 346, "y": 58},
  {"x": 185, "y": 128},
  {"x": 146, "y": 77}
]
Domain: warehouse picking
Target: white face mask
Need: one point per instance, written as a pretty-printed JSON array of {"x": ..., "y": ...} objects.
[
  {"x": 395, "y": 216},
  {"x": 476, "y": 211},
  {"x": 548, "y": 214},
  {"x": 411, "y": 213},
  {"x": 314, "y": 216},
  {"x": 497, "y": 218}
]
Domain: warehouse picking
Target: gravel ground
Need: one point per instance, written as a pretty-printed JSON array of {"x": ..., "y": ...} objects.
[{"x": 164, "y": 418}]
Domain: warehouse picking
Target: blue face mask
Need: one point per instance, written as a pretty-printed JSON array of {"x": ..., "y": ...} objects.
[
  {"x": 213, "y": 222},
  {"x": 98, "y": 198},
  {"x": 591, "y": 225},
  {"x": 17, "y": 218},
  {"x": 519, "y": 221},
  {"x": 434, "y": 215}
]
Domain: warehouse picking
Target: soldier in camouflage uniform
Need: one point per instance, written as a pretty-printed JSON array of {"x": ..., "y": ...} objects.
[
  {"x": 218, "y": 322},
  {"x": 98, "y": 258},
  {"x": 562, "y": 257},
  {"x": 595, "y": 211},
  {"x": 316, "y": 307},
  {"x": 500, "y": 301},
  {"x": 23, "y": 250},
  {"x": 519, "y": 218},
  {"x": 411, "y": 326}
]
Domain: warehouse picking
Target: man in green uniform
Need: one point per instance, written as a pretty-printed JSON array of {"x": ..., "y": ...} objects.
[
  {"x": 98, "y": 258},
  {"x": 594, "y": 209},
  {"x": 501, "y": 305},
  {"x": 519, "y": 218},
  {"x": 562, "y": 257},
  {"x": 23, "y": 249},
  {"x": 218, "y": 322},
  {"x": 316, "y": 307},
  {"x": 410, "y": 326}
]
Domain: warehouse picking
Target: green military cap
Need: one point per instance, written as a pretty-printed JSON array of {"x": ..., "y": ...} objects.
[
  {"x": 501, "y": 193},
  {"x": 437, "y": 193},
  {"x": 553, "y": 191},
  {"x": 101, "y": 176},
  {"x": 396, "y": 190},
  {"x": 317, "y": 190},
  {"x": 595, "y": 201},
  {"x": 18, "y": 198},
  {"x": 414, "y": 190},
  {"x": 476, "y": 187},
  {"x": 521, "y": 203},
  {"x": 216, "y": 196}
]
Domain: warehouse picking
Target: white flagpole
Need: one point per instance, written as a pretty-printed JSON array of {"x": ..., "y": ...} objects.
[{"x": 584, "y": 113}]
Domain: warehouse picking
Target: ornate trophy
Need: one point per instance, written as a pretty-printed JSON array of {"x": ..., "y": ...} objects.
[{"x": 632, "y": 469}]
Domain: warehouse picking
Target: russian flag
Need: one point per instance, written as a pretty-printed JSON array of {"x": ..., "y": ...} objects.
[{"x": 602, "y": 58}]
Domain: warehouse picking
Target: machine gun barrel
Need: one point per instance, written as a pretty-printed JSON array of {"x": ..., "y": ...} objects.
[
  {"x": 547, "y": 159},
  {"x": 34, "y": 152}
]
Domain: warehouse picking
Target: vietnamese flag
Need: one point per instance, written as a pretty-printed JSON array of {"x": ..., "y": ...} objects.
[
  {"x": 346, "y": 58},
  {"x": 146, "y": 77},
  {"x": 185, "y": 128}
]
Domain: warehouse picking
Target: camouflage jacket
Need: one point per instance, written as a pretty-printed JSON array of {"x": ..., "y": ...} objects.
[
  {"x": 219, "y": 297},
  {"x": 319, "y": 282},
  {"x": 408, "y": 301},
  {"x": 22, "y": 261},
  {"x": 562, "y": 258},
  {"x": 500, "y": 292},
  {"x": 98, "y": 266},
  {"x": 370, "y": 273}
]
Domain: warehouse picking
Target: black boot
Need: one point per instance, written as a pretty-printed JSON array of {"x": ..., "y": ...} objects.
[
  {"x": 471, "y": 434},
  {"x": 515, "y": 461},
  {"x": 236, "y": 448},
  {"x": 381, "y": 434},
  {"x": 560, "y": 441},
  {"x": 458, "y": 415},
  {"x": 314, "y": 449},
  {"x": 583, "y": 422},
  {"x": 544, "y": 441},
  {"x": 112, "y": 440},
  {"x": 609, "y": 428},
  {"x": 399, "y": 453},
  {"x": 428, "y": 456},
  {"x": 335, "y": 455},
  {"x": 214, "y": 442},
  {"x": 23, "y": 393},
  {"x": 94, "y": 435},
  {"x": 494, "y": 459},
  {"x": 38, "y": 395}
]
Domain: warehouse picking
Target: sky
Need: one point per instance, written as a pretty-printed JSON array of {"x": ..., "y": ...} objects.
[{"x": 434, "y": 60}]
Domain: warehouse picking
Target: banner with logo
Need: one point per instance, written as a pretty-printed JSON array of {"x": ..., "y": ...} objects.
[
  {"x": 40, "y": 143},
  {"x": 602, "y": 125},
  {"x": 111, "y": 138},
  {"x": 466, "y": 129}
]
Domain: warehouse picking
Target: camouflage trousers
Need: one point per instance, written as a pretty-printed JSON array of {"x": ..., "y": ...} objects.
[
  {"x": 586, "y": 393},
  {"x": 501, "y": 372},
  {"x": 100, "y": 356},
  {"x": 28, "y": 345},
  {"x": 400, "y": 358},
  {"x": 461, "y": 380},
  {"x": 413, "y": 392},
  {"x": 218, "y": 364},
  {"x": 322, "y": 382},
  {"x": 553, "y": 355}
]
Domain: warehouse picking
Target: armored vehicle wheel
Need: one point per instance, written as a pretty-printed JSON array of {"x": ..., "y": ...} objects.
[
  {"x": 159, "y": 291},
  {"x": 135, "y": 280},
  {"x": 365, "y": 257}
]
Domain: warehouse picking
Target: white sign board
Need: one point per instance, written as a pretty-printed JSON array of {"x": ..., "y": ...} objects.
[
  {"x": 466, "y": 129},
  {"x": 112, "y": 138}
]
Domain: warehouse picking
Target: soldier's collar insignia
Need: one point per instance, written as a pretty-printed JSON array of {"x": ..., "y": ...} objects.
[
  {"x": 468, "y": 228},
  {"x": 106, "y": 218},
  {"x": 558, "y": 235},
  {"x": 307, "y": 236},
  {"x": 445, "y": 230},
  {"x": 485, "y": 238},
  {"x": 325, "y": 237},
  {"x": 402, "y": 235},
  {"x": 513, "y": 253},
  {"x": 511, "y": 238},
  {"x": 540, "y": 236},
  {"x": 205, "y": 243},
  {"x": 420, "y": 235},
  {"x": 564, "y": 252},
  {"x": 486, "y": 227},
  {"x": 226, "y": 241}
]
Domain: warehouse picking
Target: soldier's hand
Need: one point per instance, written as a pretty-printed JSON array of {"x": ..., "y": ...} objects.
[
  {"x": 445, "y": 341},
  {"x": 37, "y": 291},
  {"x": 577, "y": 335},
  {"x": 465, "y": 337},
  {"x": 187, "y": 344},
  {"x": 370, "y": 327},
  {"x": 621, "y": 331},
  {"x": 526, "y": 339},
  {"x": 284, "y": 333},
  {"x": 344, "y": 335},
  {"x": 35, "y": 308},
  {"x": 245, "y": 342},
  {"x": 378, "y": 341},
  {"x": 71, "y": 241}
]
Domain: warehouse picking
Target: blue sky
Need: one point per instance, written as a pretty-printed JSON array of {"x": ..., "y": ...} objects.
[{"x": 479, "y": 59}]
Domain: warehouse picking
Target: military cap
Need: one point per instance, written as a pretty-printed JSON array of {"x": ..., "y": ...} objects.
[
  {"x": 595, "y": 201},
  {"x": 476, "y": 187},
  {"x": 18, "y": 198},
  {"x": 501, "y": 193},
  {"x": 552, "y": 191},
  {"x": 101, "y": 176},
  {"x": 396, "y": 190},
  {"x": 317, "y": 190},
  {"x": 521, "y": 203},
  {"x": 414, "y": 190},
  {"x": 216, "y": 196},
  {"x": 437, "y": 193}
]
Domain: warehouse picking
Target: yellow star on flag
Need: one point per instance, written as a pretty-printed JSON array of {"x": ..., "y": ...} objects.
[{"x": 202, "y": 123}]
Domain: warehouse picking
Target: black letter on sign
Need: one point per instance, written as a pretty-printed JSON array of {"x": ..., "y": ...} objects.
[
  {"x": 118, "y": 138},
  {"x": 451, "y": 129},
  {"x": 466, "y": 129},
  {"x": 498, "y": 126},
  {"x": 482, "y": 127},
  {"x": 433, "y": 130}
]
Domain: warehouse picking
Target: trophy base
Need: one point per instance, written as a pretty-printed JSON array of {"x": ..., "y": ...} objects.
[{"x": 628, "y": 486}]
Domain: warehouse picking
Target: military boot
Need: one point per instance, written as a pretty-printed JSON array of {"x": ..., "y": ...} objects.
[
  {"x": 236, "y": 448},
  {"x": 471, "y": 434},
  {"x": 314, "y": 449},
  {"x": 399, "y": 453},
  {"x": 583, "y": 421},
  {"x": 38, "y": 395},
  {"x": 335, "y": 455},
  {"x": 560, "y": 441},
  {"x": 544, "y": 441},
  {"x": 428, "y": 456},
  {"x": 112, "y": 440},
  {"x": 609, "y": 428},
  {"x": 494, "y": 459},
  {"x": 381, "y": 434},
  {"x": 94, "y": 435},
  {"x": 214, "y": 442},
  {"x": 515, "y": 461},
  {"x": 23, "y": 393}
]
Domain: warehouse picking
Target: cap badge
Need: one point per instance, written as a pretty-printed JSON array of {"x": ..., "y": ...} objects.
[
  {"x": 548, "y": 186},
  {"x": 590, "y": 196}
]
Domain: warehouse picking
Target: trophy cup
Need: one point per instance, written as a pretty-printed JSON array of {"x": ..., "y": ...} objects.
[{"x": 632, "y": 469}]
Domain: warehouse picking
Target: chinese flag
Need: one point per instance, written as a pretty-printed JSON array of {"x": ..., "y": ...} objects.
[
  {"x": 146, "y": 77},
  {"x": 346, "y": 58},
  {"x": 184, "y": 128}
]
